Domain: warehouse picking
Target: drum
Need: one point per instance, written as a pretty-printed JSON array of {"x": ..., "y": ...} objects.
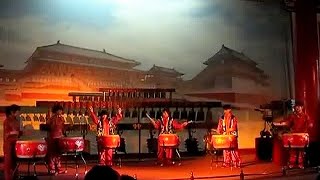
[
  {"x": 295, "y": 140},
  {"x": 71, "y": 144},
  {"x": 168, "y": 140},
  {"x": 224, "y": 141},
  {"x": 31, "y": 149},
  {"x": 109, "y": 141}
]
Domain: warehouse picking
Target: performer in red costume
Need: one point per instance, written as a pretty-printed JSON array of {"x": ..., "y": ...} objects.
[
  {"x": 11, "y": 132},
  {"x": 166, "y": 125},
  {"x": 105, "y": 126},
  {"x": 228, "y": 125},
  {"x": 56, "y": 131},
  {"x": 298, "y": 122}
]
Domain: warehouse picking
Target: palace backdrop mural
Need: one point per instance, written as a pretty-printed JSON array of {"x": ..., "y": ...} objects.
[{"x": 231, "y": 51}]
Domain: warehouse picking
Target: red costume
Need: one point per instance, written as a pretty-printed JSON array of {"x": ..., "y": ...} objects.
[
  {"x": 228, "y": 125},
  {"x": 166, "y": 126},
  {"x": 105, "y": 127},
  {"x": 11, "y": 132},
  {"x": 56, "y": 129},
  {"x": 11, "y": 129},
  {"x": 298, "y": 123}
]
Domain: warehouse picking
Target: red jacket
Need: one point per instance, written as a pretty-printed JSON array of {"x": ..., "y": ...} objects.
[
  {"x": 105, "y": 124},
  {"x": 298, "y": 123},
  {"x": 56, "y": 126}
]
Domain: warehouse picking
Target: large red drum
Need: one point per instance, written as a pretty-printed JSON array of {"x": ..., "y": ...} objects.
[
  {"x": 168, "y": 140},
  {"x": 223, "y": 141},
  {"x": 71, "y": 144},
  {"x": 109, "y": 141},
  {"x": 31, "y": 149},
  {"x": 295, "y": 140}
]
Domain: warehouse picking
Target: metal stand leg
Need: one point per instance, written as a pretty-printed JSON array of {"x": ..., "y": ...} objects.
[
  {"x": 66, "y": 163},
  {"x": 15, "y": 169},
  {"x": 34, "y": 169},
  {"x": 179, "y": 157},
  {"x": 76, "y": 160},
  {"x": 85, "y": 163}
]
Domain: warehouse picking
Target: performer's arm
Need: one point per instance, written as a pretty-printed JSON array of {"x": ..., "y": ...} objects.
[
  {"x": 117, "y": 117},
  {"x": 156, "y": 124},
  {"x": 93, "y": 115},
  {"x": 176, "y": 125},
  {"x": 10, "y": 129},
  {"x": 219, "y": 128},
  {"x": 234, "y": 125},
  {"x": 309, "y": 122}
]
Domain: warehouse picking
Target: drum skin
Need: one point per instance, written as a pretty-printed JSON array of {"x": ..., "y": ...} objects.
[
  {"x": 223, "y": 141},
  {"x": 109, "y": 141},
  {"x": 168, "y": 140},
  {"x": 71, "y": 144},
  {"x": 31, "y": 149},
  {"x": 295, "y": 140}
]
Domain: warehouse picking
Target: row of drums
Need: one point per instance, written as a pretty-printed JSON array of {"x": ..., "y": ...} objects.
[{"x": 30, "y": 149}]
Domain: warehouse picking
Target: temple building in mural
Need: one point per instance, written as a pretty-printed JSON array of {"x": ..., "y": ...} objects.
[{"x": 53, "y": 71}]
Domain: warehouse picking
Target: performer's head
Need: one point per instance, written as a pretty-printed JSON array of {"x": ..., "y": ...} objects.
[
  {"x": 57, "y": 109},
  {"x": 103, "y": 114},
  {"x": 298, "y": 107},
  {"x": 13, "y": 111},
  {"x": 226, "y": 109},
  {"x": 165, "y": 113}
]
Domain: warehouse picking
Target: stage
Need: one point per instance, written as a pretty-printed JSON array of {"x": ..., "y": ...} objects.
[{"x": 199, "y": 166}]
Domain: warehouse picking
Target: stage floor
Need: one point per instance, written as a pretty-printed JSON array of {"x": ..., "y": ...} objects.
[{"x": 200, "y": 166}]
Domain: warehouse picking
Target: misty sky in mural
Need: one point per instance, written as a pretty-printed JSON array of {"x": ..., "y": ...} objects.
[{"x": 171, "y": 33}]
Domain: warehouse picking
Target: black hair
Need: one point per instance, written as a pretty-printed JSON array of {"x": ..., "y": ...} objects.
[
  {"x": 56, "y": 108},
  {"x": 298, "y": 103},
  {"x": 226, "y": 106},
  {"x": 102, "y": 172},
  {"x": 12, "y": 109},
  {"x": 103, "y": 112},
  {"x": 166, "y": 110}
]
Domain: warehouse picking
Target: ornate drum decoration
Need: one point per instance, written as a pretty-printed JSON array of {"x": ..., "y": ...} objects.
[
  {"x": 168, "y": 140},
  {"x": 223, "y": 141},
  {"x": 31, "y": 149},
  {"x": 71, "y": 144},
  {"x": 295, "y": 140},
  {"x": 109, "y": 141}
]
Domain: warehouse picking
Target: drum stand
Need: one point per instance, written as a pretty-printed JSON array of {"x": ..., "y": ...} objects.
[
  {"x": 76, "y": 154},
  {"x": 173, "y": 148},
  {"x": 284, "y": 168},
  {"x": 34, "y": 161}
]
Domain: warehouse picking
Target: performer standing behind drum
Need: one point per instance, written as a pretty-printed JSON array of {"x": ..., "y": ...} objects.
[
  {"x": 11, "y": 132},
  {"x": 298, "y": 122},
  {"x": 166, "y": 125},
  {"x": 228, "y": 125},
  {"x": 56, "y": 131},
  {"x": 105, "y": 126}
]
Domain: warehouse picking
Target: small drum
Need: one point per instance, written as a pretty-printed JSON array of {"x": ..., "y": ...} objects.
[
  {"x": 31, "y": 149},
  {"x": 71, "y": 144},
  {"x": 295, "y": 140},
  {"x": 168, "y": 140},
  {"x": 223, "y": 141},
  {"x": 109, "y": 141}
]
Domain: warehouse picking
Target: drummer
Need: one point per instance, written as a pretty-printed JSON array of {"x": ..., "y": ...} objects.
[
  {"x": 166, "y": 125},
  {"x": 298, "y": 122},
  {"x": 228, "y": 125},
  {"x": 56, "y": 131},
  {"x": 11, "y": 132},
  {"x": 105, "y": 126}
]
